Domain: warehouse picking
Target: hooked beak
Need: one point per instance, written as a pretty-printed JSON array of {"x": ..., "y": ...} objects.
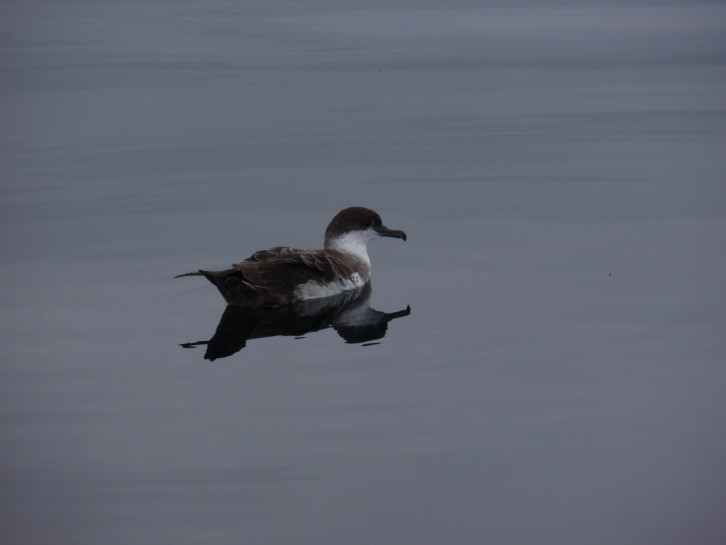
[{"x": 384, "y": 231}]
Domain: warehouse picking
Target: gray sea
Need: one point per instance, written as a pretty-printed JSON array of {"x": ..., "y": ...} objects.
[{"x": 559, "y": 167}]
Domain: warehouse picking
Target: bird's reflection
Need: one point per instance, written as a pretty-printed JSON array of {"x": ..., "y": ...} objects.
[{"x": 349, "y": 314}]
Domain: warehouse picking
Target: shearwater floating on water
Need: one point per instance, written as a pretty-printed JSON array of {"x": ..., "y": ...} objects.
[{"x": 284, "y": 275}]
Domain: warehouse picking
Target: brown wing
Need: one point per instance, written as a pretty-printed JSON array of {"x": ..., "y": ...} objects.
[
  {"x": 280, "y": 270},
  {"x": 270, "y": 253}
]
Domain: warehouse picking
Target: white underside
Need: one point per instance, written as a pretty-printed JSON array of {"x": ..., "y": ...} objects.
[
  {"x": 354, "y": 243},
  {"x": 315, "y": 290}
]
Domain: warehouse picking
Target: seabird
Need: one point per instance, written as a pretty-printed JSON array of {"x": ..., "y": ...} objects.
[{"x": 284, "y": 275}]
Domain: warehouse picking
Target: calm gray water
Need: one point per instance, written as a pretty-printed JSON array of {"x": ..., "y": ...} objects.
[{"x": 559, "y": 169}]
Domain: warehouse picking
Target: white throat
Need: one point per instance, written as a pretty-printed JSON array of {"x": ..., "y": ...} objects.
[{"x": 354, "y": 243}]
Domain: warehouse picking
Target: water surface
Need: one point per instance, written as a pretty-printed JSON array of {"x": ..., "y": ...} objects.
[{"x": 559, "y": 170}]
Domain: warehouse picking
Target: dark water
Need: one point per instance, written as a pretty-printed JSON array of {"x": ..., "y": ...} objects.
[{"x": 559, "y": 169}]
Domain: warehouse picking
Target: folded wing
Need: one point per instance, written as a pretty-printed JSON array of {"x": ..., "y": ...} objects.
[{"x": 279, "y": 270}]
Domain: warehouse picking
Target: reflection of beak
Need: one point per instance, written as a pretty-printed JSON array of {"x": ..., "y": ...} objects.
[{"x": 386, "y": 232}]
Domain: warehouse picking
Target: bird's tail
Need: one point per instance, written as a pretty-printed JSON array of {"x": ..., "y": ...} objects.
[
  {"x": 233, "y": 286},
  {"x": 197, "y": 273}
]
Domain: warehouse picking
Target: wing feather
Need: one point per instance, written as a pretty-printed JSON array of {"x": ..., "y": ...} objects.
[{"x": 280, "y": 270}]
